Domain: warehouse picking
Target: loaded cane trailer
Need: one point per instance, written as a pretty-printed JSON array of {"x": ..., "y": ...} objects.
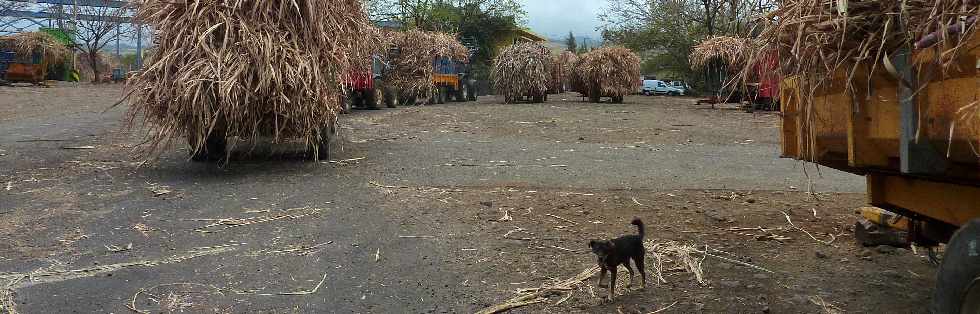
[{"x": 915, "y": 138}]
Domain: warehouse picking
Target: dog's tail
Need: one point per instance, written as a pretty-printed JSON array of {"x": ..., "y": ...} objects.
[{"x": 639, "y": 226}]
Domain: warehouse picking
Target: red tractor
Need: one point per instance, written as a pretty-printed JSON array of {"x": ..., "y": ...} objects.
[{"x": 367, "y": 89}]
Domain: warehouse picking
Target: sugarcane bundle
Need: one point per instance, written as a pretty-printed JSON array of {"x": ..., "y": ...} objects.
[
  {"x": 609, "y": 71},
  {"x": 815, "y": 38},
  {"x": 561, "y": 71},
  {"x": 24, "y": 45},
  {"x": 447, "y": 46},
  {"x": 412, "y": 67},
  {"x": 522, "y": 70},
  {"x": 245, "y": 69},
  {"x": 729, "y": 50},
  {"x": 847, "y": 44}
]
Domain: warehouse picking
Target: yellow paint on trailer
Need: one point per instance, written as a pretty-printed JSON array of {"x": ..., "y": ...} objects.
[
  {"x": 955, "y": 204},
  {"x": 884, "y": 217},
  {"x": 451, "y": 80},
  {"x": 857, "y": 127}
]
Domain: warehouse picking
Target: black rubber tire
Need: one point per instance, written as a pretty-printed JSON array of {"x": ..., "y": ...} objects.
[
  {"x": 471, "y": 92},
  {"x": 357, "y": 100},
  {"x": 595, "y": 94},
  {"x": 457, "y": 94},
  {"x": 959, "y": 270},
  {"x": 617, "y": 99},
  {"x": 215, "y": 147},
  {"x": 443, "y": 95},
  {"x": 391, "y": 100},
  {"x": 538, "y": 98},
  {"x": 594, "y": 98},
  {"x": 408, "y": 100},
  {"x": 464, "y": 93},
  {"x": 373, "y": 99}
]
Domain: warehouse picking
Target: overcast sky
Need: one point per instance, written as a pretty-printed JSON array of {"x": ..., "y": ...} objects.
[{"x": 557, "y": 17}]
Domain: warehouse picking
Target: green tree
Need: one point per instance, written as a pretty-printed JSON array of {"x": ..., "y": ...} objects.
[
  {"x": 570, "y": 42},
  {"x": 664, "y": 31},
  {"x": 480, "y": 22}
]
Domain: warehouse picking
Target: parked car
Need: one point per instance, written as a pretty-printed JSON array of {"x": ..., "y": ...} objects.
[
  {"x": 681, "y": 85},
  {"x": 657, "y": 87}
]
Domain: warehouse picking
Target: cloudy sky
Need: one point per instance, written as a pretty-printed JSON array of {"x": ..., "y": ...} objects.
[{"x": 557, "y": 17}]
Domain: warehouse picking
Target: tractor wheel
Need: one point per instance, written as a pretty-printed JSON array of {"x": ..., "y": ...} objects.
[
  {"x": 456, "y": 94},
  {"x": 373, "y": 99},
  {"x": 537, "y": 98},
  {"x": 214, "y": 148},
  {"x": 471, "y": 92},
  {"x": 595, "y": 98},
  {"x": 595, "y": 94},
  {"x": 443, "y": 95},
  {"x": 390, "y": 98},
  {"x": 464, "y": 92},
  {"x": 409, "y": 100},
  {"x": 958, "y": 282}
]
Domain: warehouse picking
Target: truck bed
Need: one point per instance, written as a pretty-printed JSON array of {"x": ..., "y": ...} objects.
[{"x": 919, "y": 147}]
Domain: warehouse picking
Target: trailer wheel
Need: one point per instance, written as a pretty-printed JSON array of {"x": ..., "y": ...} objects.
[
  {"x": 466, "y": 92},
  {"x": 958, "y": 281},
  {"x": 471, "y": 92},
  {"x": 456, "y": 94},
  {"x": 409, "y": 100},
  {"x": 538, "y": 98},
  {"x": 390, "y": 98},
  {"x": 373, "y": 99},
  {"x": 595, "y": 94},
  {"x": 214, "y": 148},
  {"x": 443, "y": 95}
]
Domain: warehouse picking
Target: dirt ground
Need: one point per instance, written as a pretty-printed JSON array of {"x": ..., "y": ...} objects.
[{"x": 441, "y": 209}]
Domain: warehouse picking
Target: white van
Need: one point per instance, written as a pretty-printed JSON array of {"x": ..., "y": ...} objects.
[{"x": 657, "y": 87}]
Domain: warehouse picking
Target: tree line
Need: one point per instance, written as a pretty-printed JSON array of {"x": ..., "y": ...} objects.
[{"x": 664, "y": 31}]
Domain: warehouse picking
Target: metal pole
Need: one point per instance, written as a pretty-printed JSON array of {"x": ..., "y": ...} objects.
[
  {"x": 117, "y": 40},
  {"x": 139, "y": 46}
]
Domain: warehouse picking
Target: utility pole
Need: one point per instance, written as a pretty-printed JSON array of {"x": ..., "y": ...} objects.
[{"x": 139, "y": 46}]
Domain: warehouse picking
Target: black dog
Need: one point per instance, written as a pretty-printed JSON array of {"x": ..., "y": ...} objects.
[{"x": 619, "y": 251}]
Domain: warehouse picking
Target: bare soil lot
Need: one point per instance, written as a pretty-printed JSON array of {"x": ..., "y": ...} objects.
[{"x": 446, "y": 209}]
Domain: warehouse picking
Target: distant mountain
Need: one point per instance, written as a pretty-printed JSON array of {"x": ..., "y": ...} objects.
[{"x": 560, "y": 39}]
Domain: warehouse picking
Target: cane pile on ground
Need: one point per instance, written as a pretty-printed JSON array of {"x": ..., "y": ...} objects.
[
  {"x": 412, "y": 71},
  {"x": 562, "y": 66},
  {"x": 609, "y": 71},
  {"x": 26, "y": 44},
  {"x": 522, "y": 70},
  {"x": 726, "y": 49},
  {"x": 245, "y": 68},
  {"x": 815, "y": 38}
]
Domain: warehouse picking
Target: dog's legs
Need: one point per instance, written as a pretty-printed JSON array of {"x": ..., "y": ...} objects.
[
  {"x": 630, "y": 269},
  {"x": 639, "y": 266},
  {"x": 612, "y": 282},
  {"x": 602, "y": 276}
]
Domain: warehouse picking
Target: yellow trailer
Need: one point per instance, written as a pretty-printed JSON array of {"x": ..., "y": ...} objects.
[{"x": 913, "y": 131}]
